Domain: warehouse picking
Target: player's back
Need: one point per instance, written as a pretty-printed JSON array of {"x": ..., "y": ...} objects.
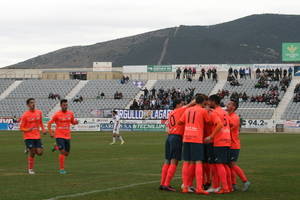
[
  {"x": 234, "y": 121},
  {"x": 223, "y": 138},
  {"x": 174, "y": 117},
  {"x": 194, "y": 119}
]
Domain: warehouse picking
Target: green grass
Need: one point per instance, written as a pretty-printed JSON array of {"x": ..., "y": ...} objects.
[{"x": 271, "y": 162}]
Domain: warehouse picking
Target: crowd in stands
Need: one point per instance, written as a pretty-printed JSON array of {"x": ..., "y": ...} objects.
[
  {"x": 101, "y": 95},
  {"x": 242, "y": 73},
  {"x": 118, "y": 95},
  {"x": 297, "y": 93},
  {"x": 264, "y": 80},
  {"x": 162, "y": 98},
  {"x": 53, "y": 96},
  {"x": 124, "y": 80},
  {"x": 189, "y": 73}
]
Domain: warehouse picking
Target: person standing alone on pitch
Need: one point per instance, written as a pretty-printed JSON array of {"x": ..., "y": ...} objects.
[
  {"x": 31, "y": 122},
  {"x": 116, "y": 128},
  {"x": 63, "y": 120}
]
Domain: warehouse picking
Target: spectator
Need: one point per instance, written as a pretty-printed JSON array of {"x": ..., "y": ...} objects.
[
  {"x": 194, "y": 71},
  {"x": 235, "y": 72},
  {"x": 185, "y": 71},
  {"x": 153, "y": 92},
  {"x": 146, "y": 92},
  {"x": 102, "y": 95},
  {"x": 203, "y": 73},
  {"x": 178, "y": 72}
]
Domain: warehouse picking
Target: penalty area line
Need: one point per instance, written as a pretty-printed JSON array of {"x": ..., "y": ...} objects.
[{"x": 103, "y": 190}]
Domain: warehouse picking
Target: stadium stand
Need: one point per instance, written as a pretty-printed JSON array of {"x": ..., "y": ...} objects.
[
  {"x": 94, "y": 88},
  {"x": 4, "y": 84},
  {"x": 248, "y": 109},
  {"x": 14, "y": 103},
  {"x": 292, "y": 112}
]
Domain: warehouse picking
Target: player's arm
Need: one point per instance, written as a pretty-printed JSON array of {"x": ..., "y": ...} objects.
[
  {"x": 218, "y": 126},
  {"x": 42, "y": 125},
  {"x": 182, "y": 119},
  {"x": 73, "y": 120},
  {"x": 192, "y": 103},
  {"x": 49, "y": 126}
]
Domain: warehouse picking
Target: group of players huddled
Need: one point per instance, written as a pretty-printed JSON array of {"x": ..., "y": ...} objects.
[{"x": 206, "y": 136}]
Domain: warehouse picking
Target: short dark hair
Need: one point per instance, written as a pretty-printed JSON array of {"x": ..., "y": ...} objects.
[
  {"x": 28, "y": 100},
  {"x": 215, "y": 98},
  {"x": 114, "y": 111},
  {"x": 235, "y": 103},
  {"x": 63, "y": 101},
  {"x": 199, "y": 99},
  {"x": 176, "y": 102},
  {"x": 203, "y": 95}
]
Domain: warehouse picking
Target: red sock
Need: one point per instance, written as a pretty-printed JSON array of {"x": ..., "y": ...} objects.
[
  {"x": 164, "y": 172},
  {"x": 233, "y": 177},
  {"x": 199, "y": 176},
  {"x": 215, "y": 176},
  {"x": 240, "y": 173},
  {"x": 30, "y": 162},
  {"x": 222, "y": 175},
  {"x": 206, "y": 174},
  {"x": 228, "y": 172},
  {"x": 192, "y": 168},
  {"x": 185, "y": 174},
  {"x": 61, "y": 161},
  {"x": 170, "y": 174}
]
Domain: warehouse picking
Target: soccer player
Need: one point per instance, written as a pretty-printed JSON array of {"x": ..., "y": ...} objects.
[
  {"x": 173, "y": 145},
  {"x": 221, "y": 145},
  {"x": 116, "y": 128},
  {"x": 193, "y": 149},
  {"x": 63, "y": 120},
  {"x": 31, "y": 123},
  {"x": 234, "y": 121}
]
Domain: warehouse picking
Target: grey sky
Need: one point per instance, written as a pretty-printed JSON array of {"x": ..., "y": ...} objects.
[{"x": 34, "y": 27}]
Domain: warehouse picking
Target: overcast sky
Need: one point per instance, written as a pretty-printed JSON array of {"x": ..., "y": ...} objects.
[{"x": 29, "y": 28}]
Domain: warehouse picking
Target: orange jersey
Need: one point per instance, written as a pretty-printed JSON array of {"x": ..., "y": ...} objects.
[
  {"x": 234, "y": 122},
  {"x": 63, "y": 121},
  {"x": 194, "y": 119},
  {"x": 211, "y": 124},
  {"x": 32, "y": 120},
  {"x": 223, "y": 137},
  {"x": 208, "y": 126},
  {"x": 173, "y": 118}
]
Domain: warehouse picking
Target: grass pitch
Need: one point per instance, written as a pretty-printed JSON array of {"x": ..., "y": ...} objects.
[{"x": 97, "y": 170}]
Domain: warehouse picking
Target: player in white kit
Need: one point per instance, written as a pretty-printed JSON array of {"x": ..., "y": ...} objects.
[{"x": 116, "y": 128}]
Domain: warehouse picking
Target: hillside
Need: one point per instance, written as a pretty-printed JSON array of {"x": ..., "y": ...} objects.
[{"x": 252, "y": 39}]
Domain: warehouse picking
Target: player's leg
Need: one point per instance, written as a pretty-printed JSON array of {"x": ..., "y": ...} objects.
[
  {"x": 234, "y": 155},
  {"x": 29, "y": 143},
  {"x": 38, "y": 147},
  {"x": 221, "y": 158},
  {"x": 64, "y": 148},
  {"x": 114, "y": 137},
  {"x": 176, "y": 151},
  {"x": 185, "y": 166},
  {"x": 166, "y": 164},
  {"x": 119, "y": 136},
  {"x": 198, "y": 157}
]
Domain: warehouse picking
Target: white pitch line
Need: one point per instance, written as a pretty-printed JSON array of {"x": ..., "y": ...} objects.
[{"x": 103, "y": 190}]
